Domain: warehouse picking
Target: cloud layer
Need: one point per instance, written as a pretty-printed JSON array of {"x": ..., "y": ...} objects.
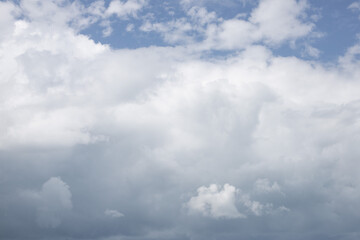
[{"x": 173, "y": 142}]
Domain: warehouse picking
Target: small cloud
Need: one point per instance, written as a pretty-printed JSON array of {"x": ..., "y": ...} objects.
[
  {"x": 283, "y": 209},
  {"x": 311, "y": 51},
  {"x": 215, "y": 201},
  {"x": 263, "y": 185},
  {"x": 113, "y": 213},
  {"x": 354, "y": 6},
  {"x": 107, "y": 31},
  {"x": 130, "y": 27},
  {"x": 124, "y": 9},
  {"x": 254, "y": 206}
]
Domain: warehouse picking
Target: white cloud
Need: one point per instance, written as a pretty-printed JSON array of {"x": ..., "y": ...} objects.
[
  {"x": 124, "y": 9},
  {"x": 351, "y": 58},
  {"x": 173, "y": 32},
  {"x": 77, "y": 15},
  {"x": 215, "y": 202},
  {"x": 281, "y": 20},
  {"x": 130, "y": 27},
  {"x": 354, "y": 6},
  {"x": 107, "y": 31},
  {"x": 232, "y": 34},
  {"x": 201, "y": 16},
  {"x": 38, "y": 68},
  {"x": 272, "y": 22},
  {"x": 139, "y": 128},
  {"x": 311, "y": 51},
  {"x": 254, "y": 206},
  {"x": 63, "y": 127},
  {"x": 56, "y": 13}
]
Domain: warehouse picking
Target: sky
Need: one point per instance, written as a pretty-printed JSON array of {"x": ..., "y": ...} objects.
[{"x": 179, "y": 119}]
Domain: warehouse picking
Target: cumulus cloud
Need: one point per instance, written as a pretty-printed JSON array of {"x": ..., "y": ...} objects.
[
  {"x": 281, "y": 20},
  {"x": 255, "y": 207},
  {"x": 123, "y": 9},
  {"x": 77, "y": 15},
  {"x": 139, "y": 129},
  {"x": 272, "y": 22},
  {"x": 223, "y": 202},
  {"x": 216, "y": 202}
]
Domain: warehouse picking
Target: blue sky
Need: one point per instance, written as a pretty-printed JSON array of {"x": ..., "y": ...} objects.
[
  {"x": 335, "y": 24},
  {"x": 183, "y": 120}
]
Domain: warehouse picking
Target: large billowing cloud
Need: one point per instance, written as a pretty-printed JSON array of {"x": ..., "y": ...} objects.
[{"x": 169, "y": 142}]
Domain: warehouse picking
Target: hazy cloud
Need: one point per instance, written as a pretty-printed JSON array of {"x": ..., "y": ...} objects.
[
  {"x": 113, "y": 213},
  {"x": 53, "y": 202}
]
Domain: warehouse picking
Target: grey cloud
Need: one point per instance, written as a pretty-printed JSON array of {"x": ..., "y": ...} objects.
[
  {"x": 113, "y": 213},
  {"x": 263, "y": 185},
  {"x": 54, "y": 200}
]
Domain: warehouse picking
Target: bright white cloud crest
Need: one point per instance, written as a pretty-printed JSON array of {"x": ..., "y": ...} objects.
[
  {"x": 223, "y": 202},
  {"x": 216, "y": 202}
]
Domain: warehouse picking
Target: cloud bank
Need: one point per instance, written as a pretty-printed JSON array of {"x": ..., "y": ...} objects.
[{"x": 172, "y": 142}]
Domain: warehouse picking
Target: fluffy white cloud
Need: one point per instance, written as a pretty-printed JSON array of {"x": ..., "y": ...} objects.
[
  {"x": 38, "y": 71},
  {"x": 272, "y": 22},
  {"x": 281, "y": 20},
  {"x": 61, "y": 13},
  {"x": 216, "y": 202},
  {"x": 223, "y": 202},
  {"x": 138, "y": 129},
  {"x": 123, "y": 9},
  {"x": 354, "y": 6}
]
